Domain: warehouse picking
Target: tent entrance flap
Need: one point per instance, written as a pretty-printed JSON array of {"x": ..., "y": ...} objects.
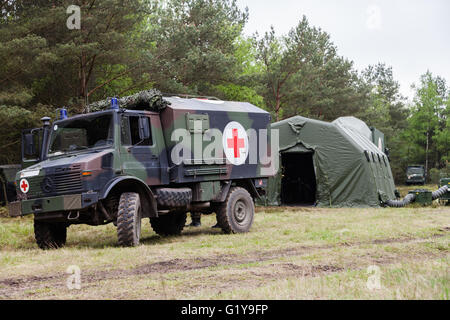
[{"x": 298, "y": 183}]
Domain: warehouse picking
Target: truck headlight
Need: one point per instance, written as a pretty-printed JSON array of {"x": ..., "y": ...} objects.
[{"x": 29, "y": 173}]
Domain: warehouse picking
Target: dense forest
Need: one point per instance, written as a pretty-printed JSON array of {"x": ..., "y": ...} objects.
[{"x": 198, "y": 47}]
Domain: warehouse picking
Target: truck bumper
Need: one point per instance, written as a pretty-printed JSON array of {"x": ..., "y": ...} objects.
[
  {"x": 415, "y": 181},
  {"x": 52, "y": 204}
]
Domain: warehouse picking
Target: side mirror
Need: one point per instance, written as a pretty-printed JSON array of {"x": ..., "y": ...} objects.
[
  {"x": 31, "y": 142},
  {"x": 29, "y": 145},
  {"x": 144, "y": 128}
]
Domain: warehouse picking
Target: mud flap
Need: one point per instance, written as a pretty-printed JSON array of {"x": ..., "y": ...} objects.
[{"x": 15, "y": 209}]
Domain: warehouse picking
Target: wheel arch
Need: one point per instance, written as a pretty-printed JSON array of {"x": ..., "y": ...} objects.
[
  {"x": 248, "y": 185},
  {"x": 133, "y": 184}
]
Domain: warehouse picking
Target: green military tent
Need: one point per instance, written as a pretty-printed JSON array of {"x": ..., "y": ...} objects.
[{"x": 329, "y": 164}]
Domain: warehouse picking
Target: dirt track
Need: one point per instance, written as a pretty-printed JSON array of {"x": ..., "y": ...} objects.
[{"x": 16, "y": 287}]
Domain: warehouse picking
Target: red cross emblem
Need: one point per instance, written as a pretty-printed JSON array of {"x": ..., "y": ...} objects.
[
  {"x": 24, "y": 185},
  {"x": 236, "y": 143}
]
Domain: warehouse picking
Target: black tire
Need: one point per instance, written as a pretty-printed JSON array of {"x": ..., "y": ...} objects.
[
  {"x": 50, "y": 235},
  {"x": 235, "y": 214},
  {"x": 169, "y": 224},
  {"x": 129, "y": 219}
]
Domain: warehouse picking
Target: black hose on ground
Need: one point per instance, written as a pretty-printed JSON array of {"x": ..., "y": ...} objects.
[
  {"x": 439, "y": 192},
  {"x": 410, "y": 197}
]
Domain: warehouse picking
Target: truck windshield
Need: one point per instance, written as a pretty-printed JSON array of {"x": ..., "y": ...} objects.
[
  {"x": 81, "y": 133},
  {"x": 415, "y": 171}
]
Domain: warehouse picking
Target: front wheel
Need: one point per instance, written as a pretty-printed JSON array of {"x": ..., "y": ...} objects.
[
  {"x": 235, "y": 215},
  {"x": 129, "y": 219},
  {"x": 50, "y": 235}
]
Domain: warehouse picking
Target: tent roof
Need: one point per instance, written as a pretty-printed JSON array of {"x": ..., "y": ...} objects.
[
  {"x": 352, "y": 129},
  {"x": 354, "y": 124}
]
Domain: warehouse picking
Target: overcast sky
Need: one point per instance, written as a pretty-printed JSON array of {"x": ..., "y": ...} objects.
[{"x": 412, "y": 36}]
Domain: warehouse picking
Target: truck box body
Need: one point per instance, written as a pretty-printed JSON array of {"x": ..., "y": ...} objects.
[{"x": 197, "y": 116}]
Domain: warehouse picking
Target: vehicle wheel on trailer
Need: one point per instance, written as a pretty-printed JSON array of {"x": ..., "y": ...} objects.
[
  {"x": 50, "y": 235},
  {"x": 169, "y": 224},
  {"x": 235, "y": 215},
  {"x": 129, "y": 219}
]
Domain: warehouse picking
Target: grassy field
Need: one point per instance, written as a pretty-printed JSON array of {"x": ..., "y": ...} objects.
[{"x": 290, "y": 253}]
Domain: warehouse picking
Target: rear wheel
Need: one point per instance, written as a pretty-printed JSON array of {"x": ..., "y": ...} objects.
[
  {"x": 50, "y": 235},
  {"x": 129, "y": 219},
  {"x": 169, "y": 224},
  {"x": 235, "y": 215}
]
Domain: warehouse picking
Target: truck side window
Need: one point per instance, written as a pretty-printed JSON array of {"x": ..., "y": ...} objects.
[
  {"x": 134, "y": 132},
  {"x": 125, "y": 131}
]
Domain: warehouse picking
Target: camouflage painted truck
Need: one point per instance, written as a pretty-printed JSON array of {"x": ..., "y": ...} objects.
[{"x": 143, "y": 157}]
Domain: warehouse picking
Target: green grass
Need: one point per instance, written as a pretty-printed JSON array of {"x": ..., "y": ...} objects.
[{"x": 290, "y": 253}]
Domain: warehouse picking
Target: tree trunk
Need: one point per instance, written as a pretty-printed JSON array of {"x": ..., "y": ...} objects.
[
  {"x": 83, "y": 89},
  {"x": 277, "y": 105},
  {"x": 426, "y": 153},
  {"x": 277, "y": 110}
]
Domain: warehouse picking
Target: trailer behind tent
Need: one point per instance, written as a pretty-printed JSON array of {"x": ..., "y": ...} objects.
[
  {"x": 7, "y": 187},
  {"x": 330, "y": 165}
]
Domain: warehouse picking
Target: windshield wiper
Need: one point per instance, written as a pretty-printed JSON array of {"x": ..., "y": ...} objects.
[{"x": 76, "y": 147}]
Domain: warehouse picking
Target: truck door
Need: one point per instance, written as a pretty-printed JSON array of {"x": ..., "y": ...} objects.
[{"x": 139, "y": 157}]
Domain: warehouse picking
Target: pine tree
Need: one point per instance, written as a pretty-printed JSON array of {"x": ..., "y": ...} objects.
[{"x": 302, "y": 74}]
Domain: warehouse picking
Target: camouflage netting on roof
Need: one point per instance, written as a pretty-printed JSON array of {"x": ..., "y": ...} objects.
[{"x": 145, "y": 100}]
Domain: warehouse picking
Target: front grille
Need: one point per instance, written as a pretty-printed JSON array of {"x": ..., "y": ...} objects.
[
  {"x": 35, "y": 187},
  {"x": 67, "y": 182},
  {"x": 63, "y": 181}
]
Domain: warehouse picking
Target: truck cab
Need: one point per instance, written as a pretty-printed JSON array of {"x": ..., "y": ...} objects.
[
  {"x": 116, "y": 166},
  {"x": 415, "y": 174}
]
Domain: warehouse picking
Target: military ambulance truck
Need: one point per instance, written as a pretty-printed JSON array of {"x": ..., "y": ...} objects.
[{"x": 159, "y": 159}]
